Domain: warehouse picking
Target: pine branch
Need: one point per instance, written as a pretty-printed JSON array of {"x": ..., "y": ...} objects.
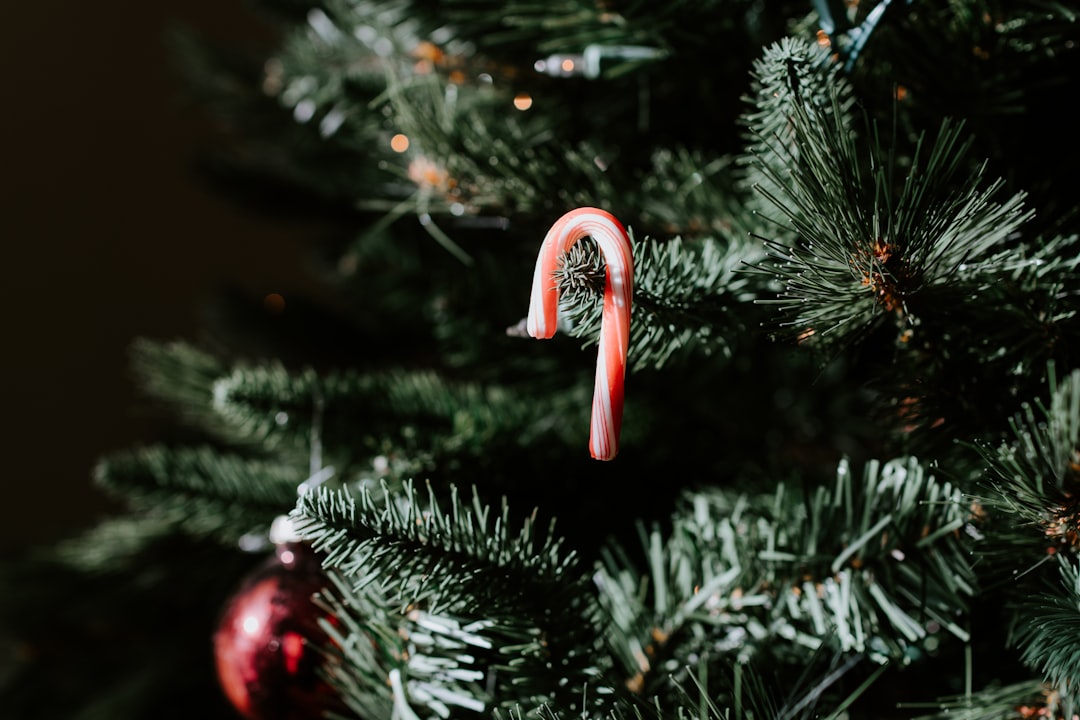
[
  {"x": 114, "y": 543},
  {"x": 365, "y": 646},
  {"x": 409, "y": 539},
  {"x": 791, "y": 73},
  {"x": 417, "y": 414},
  {"x": 425, "y": 652},
  {"x": 1033, "y": 478},
  {"x": 1047, "y": 630},
  {"x": 1006, "y": 702},
  {"x": 468, "y": 152},
  {"x": 308, "y": 161},
  {"x": 471, "y": 155},
  {"x": 183, "y": 376},
  {"x": 870, "y": 566},
  {"x": 1013, "y": 54},
  {"x": 567, "y": 27},
  {"x": 201, "y": 490},
  {"x": 688, "y": 297},
  {"x": 868, "y": 250},
  {"x": 558, "y": 27},
  {"x": 487, "y": 158},
  {"x": 455, "y": 568},
  {"x": 689, "y": 194}
]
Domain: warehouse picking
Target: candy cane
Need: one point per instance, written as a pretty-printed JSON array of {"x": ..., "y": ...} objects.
[{"x": 614, "y": 242}]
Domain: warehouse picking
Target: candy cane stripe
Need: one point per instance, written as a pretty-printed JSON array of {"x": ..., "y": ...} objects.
[{"x": 614, "y": 242}]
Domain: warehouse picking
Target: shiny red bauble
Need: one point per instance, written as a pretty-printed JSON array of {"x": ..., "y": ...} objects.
[{"x": 266, "y": 641}]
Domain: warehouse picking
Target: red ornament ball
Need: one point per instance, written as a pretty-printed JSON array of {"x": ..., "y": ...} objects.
[{"x": 266, "y": 662}]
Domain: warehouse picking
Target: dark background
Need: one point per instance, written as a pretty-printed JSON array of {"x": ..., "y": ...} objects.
[{"x": 108, "y": 235}]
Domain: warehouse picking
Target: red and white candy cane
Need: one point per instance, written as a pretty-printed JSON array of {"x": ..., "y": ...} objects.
[{"x": 614, "y": 242}]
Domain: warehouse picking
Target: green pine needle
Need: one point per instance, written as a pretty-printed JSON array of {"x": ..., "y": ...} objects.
[
  {"x": 1047, "y": 630},
  {"x": 789, "y": 74},
  {"x": 418, "y": 541},
  {"x": 449, "y": 567},
  {"x": 687, "y": 297},
  {"x": 202, "y": 490},
  {"x": 873, "y": 565},
  {"x": 995, "y": 702},
  {"x": 873, "y": 244},
  {"x": 417, "y": 414},
  {"x": 1033, "y": 477}
]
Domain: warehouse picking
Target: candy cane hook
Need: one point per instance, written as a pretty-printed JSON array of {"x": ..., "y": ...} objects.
[{"x": 614, "y": 242}]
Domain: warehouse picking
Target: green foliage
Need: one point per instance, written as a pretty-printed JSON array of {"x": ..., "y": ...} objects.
[
  {"x": 1032, "y": 477},
  {"x": 199, "y": 489},
  {"x": 826, "y": 273},
  {"x": 526, "y": 607},
  {"x": 996, "y": 703},
  {"x": 404, "y": 523},
  {"x": 181, "y": 377},
  {"x": 870, "y": 246},
  {"x": 1029, "y": 497},
  {"x": 872, "y": 566},
  {"x": 792, "y": 74},
  {"x": 400, "y": 563},
  {"x": 357, "y": 416},
  {"x": 685, "y": 297},
  {"x": 1047, "y": 627}
]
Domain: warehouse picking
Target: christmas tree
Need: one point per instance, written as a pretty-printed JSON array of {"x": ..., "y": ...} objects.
[{"x": 811, "y": 267}]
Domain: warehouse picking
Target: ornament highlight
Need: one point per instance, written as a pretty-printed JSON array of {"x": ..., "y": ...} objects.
[
  {"x": 266, "y": 664},
  {"x": 614, "y": 242}
]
